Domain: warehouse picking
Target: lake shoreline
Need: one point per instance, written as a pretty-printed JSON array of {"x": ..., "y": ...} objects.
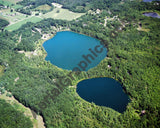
[
  {"x": 73, "y": 43},
  {"x": 108, "y": 94}
]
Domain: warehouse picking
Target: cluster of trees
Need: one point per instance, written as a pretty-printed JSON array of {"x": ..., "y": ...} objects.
[
  {"x": 1, "y": 5},
  {"x": 26, "y": 11},
  {"x": 44, "y": 10},
  {"x": 28, "y": 38},
  {"x": 35, "y": 3},
  {"x": 11, "y": 118},
  {"x": 133, "y": 59},
  {"x": 3, "y": 24},
  {"x": 85, "y": 5},
  {"x": 73, "y": 5},
  {"x": 29, "y": 5}
]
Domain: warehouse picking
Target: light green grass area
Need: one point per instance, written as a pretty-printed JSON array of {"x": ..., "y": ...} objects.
[
  {"x": 9, "y": 2},
  {"x": 17, "y": 19},
  {"x": 44, "y": 7},
  {"x": 17, "y": 6},
  {"x": 1, "y": 70},
  {"x": 5, "y": 2},
  {"x": 17, "y": 25},
  {"x": 63, "y": 14},
  {"x": 12, "y": 17}
]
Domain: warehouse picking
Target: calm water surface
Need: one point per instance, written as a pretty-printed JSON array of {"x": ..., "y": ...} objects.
[
  {"x": 73, "y": 51},
  {"x": 104, "y": 92},
  {"x": 150, "y": 0}
]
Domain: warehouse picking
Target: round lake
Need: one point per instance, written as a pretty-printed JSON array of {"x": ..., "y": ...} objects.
[
  {"x": 73, "y": 51},
  {"x": 104, "y": 92}
]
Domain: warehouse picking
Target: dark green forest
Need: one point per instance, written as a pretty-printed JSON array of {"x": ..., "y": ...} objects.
[
  {"x": 85, "y": 5},
  {"x": 3, "y": 24},
  {"x": 73, "y": 5},
  {"x": 35, "y": 3},
  {"x": 133, "y": 57},
  {"x": 11, "y": 118}
]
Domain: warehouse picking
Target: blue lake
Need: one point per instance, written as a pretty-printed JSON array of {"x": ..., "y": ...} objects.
[
  {"x": 73, "y": 51},
  {"x": 104, "y": 92},
  {"x": 150, "y": 0}
]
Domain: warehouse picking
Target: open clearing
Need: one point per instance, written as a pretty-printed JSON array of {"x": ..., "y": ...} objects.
[
  {"x": 17, "y": 19},
  {"x": 17, "y": 6},
  {"x": 63, "y": 14},
  {"x": 17, "y": 25},
  {"x": 12, "y": 17},
  {"x": 1, "y": 70},
  {"x": 44, "y": 7},
  {"x": 9, "y": 2}
]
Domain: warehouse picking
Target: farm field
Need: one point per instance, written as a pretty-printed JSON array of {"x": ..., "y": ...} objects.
[
  {"x": 9, "y": 2},
  {"x": 44, "y": 7},
  {"x": 17, "y": 25},
  {"x": 1, "y": 70},
  {"x": 17, "y": 19},
  {"x": 17, "y": 6},
  {"x": 12, "y": 17},
  {"x": 63, "y": 14}
]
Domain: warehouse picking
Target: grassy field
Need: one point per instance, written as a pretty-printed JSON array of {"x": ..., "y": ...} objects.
[
  {"x": 63, "y": 14},
  {"x": 6, "y": 2},
  {"x": 9, "y": 2},
  {"x": 12, "y": 17},
  {"x": 1, "y": 70},
  {"x": 17, "y": 25},
  {"x": 17, "y": 6},
  {"x": 17, "y": 19},
  {"x": 44, "y": 7}
]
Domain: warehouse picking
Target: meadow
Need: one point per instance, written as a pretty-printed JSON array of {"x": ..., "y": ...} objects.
[
  {"x": 1, "y": 70},
  {"x": 17, "y": 19},
  {"x": 63, "y": 14},
  {"x": 44, "y": 7},
  {"x": 12, "y": 17},
  {"x": 9, "y": 2},
  {"x": 17, "y": 25}
]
